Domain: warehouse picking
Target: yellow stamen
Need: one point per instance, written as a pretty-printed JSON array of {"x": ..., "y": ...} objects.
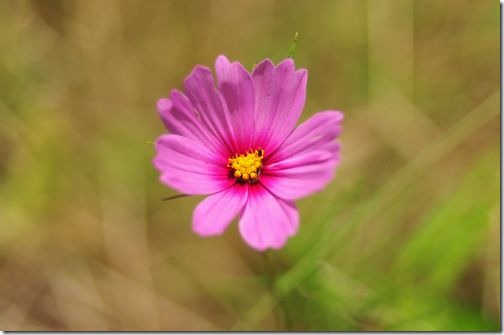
[{"x": 247, "y": 167}]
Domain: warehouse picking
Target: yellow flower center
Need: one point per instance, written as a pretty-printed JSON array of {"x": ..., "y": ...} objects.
[{"x": 247, "y": 167}]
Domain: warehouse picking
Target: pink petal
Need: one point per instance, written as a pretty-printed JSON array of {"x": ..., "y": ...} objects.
[
  {"x": 180, "y": 118},
  {"x": 215, "y": 213},
  {"x": 266, "y": 221},
  {"x": 279, "y": 101},
  {"x": 321, "y": 128},
  {"x": 189, "y": 167},
  {"x": 237, "y": 88},
  {"x": 306, "y": 161},
  {"x": 210, "y": 105},
  {"x": 299, "y": 182}
]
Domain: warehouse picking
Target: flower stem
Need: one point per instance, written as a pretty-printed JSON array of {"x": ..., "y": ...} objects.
[{"x": 292, "y": 49}]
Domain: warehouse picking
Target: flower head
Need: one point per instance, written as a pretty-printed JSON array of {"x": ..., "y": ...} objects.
[{"x": 237, "y": 142}]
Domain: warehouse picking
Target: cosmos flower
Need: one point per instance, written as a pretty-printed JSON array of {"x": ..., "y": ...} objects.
[{"x": 237, "y": 143}]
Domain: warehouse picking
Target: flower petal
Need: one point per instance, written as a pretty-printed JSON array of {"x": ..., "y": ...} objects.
[
  {"x": 210, "y": 105},
  {"x": 237, "y": 88},
  {"x": 180, "y": 118},
  {"x": 213, "y": 214},
  {"x": 320, "y": 129},
  {"x": 298, "y": 182},
  {"x": 306, "y": 161},
  {"x": 189, "y": 167},
  {"x": 266, "y": 221},
  {"x": 280, "y": 95}
]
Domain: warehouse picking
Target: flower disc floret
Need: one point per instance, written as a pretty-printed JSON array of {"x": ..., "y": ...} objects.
[{"x": 247, "y": 167}]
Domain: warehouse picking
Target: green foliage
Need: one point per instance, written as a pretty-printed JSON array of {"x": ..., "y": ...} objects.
[{"x": 454, "y": 231}]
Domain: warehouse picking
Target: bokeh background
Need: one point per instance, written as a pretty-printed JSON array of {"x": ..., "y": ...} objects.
[{"x": 406, "y": 237}]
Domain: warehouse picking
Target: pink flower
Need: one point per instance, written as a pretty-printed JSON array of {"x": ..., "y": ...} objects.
[{"x": 238, "y": 144}]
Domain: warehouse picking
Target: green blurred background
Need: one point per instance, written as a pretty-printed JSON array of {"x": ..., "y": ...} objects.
[{"x": 405, "y": 238}]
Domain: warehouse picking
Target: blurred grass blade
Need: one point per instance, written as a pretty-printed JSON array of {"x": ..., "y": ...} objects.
[{"x": 453, "y": 231}]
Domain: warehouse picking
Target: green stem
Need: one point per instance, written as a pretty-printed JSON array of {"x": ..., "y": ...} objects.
[{"x": 292, "y": 49}]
